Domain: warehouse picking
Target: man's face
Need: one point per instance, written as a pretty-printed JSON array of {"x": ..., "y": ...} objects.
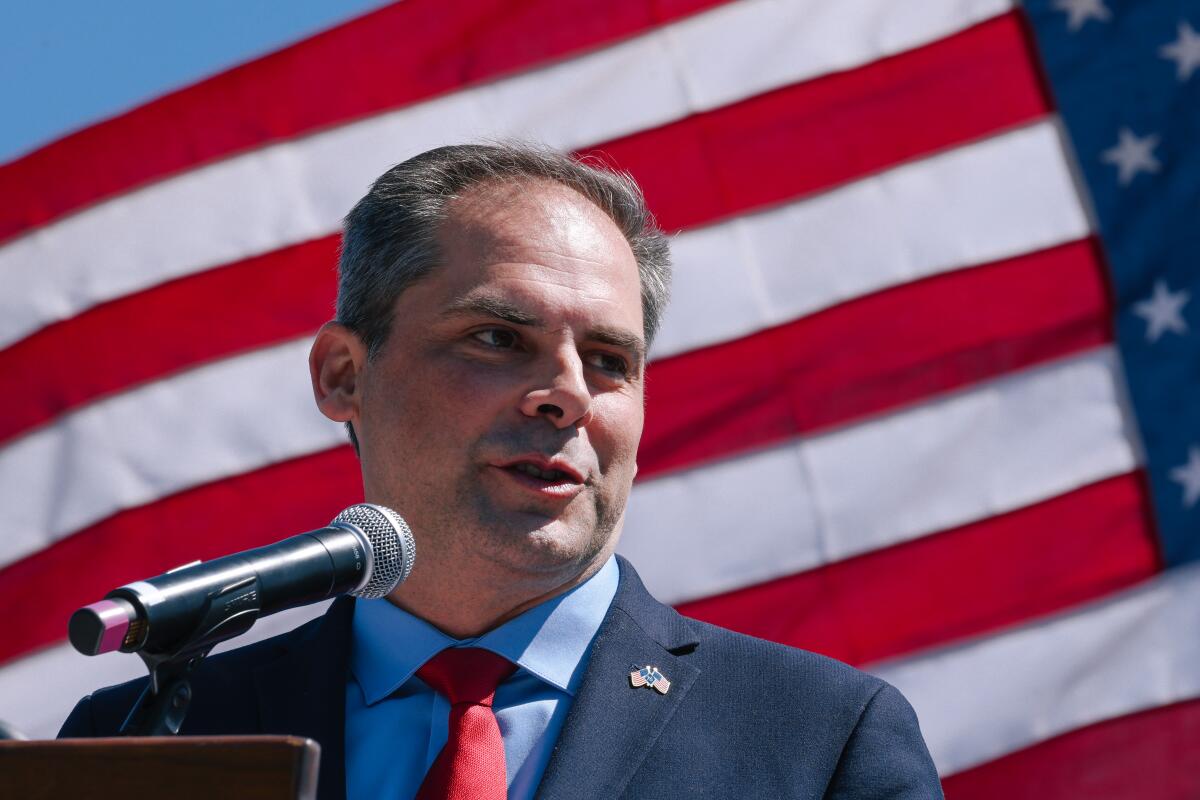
[{"x": 502, "y": 415}]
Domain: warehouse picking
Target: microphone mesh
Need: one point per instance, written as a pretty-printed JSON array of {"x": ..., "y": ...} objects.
[{"x": 392, "y": 547}]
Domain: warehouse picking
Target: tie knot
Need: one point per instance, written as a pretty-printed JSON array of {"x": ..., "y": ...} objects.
[{"x": 466, "y": 674}]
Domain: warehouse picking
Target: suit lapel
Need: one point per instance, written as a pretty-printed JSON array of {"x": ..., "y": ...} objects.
[
  {"x": 612, "y": 725},
  {"x": 303, "y": 693}
]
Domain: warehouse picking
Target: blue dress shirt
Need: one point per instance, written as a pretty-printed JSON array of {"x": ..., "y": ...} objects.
[{"x": 396, "y": 725}]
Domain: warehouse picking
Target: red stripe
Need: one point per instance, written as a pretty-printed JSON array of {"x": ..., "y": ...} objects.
[
  {"x": 1151, "y": 755},
  {"x": 874, "y": 353},
  {"x": 1027, "y": 562},
  {"x": 151, "y": 334},
  {"x": 393, "y": 57},
  {"x": 972, "y": 579},
  {"x": 289, "y": 292},
  {"x": 862, "y": 357},
  {"x": 205, "y": 522},
  {"x": 824, "y": 132}
]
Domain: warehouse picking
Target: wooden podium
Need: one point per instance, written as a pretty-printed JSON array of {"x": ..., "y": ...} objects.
[{"x": 179, "y": 768}]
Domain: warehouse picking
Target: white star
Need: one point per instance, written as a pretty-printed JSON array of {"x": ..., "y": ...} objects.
[
  {"x": 1188, "y": 476},
  {"x": 1132, "y": 154},
  {"x": 1080, "y": 11},
  {"x": 1163, "y": 311},
  {"x": 1184, "y": 51}
]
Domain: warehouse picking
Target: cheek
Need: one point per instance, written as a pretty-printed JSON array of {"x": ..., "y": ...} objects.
[
  {"x": 440, "y": 409},
  {"x": 457, "y": 383},
  {"x": 616, "y": 432},
  {"x": 435, "y": 391}
]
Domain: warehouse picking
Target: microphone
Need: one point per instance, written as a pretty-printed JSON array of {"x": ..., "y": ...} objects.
[{"x": 366, "y": 551}]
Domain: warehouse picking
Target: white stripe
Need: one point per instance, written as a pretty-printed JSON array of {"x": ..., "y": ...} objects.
[
  {"x": 299, "y": 190},
  {"x": 1001, "y": 445},
  {"x": 1127, "y": 653},
  {"x": 976, "y": 701},
  {"x": 219, "y": 420},
  {"x": 913, "y": 221},
  {"x": 993, "y": 448},
  {"x": 38, "y": 691}
]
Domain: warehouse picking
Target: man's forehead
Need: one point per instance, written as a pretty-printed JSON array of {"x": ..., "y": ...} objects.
[
  {"x": 539, "y": 246},
  {"x": 498, "y": 198},
  {"x": 495, "y": 215}
]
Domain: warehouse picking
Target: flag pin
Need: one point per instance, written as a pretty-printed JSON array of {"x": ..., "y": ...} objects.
[{"x": 650, "y": 676}]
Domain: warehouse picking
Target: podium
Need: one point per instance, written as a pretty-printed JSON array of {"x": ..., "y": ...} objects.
[{"x": 179, "y": 768}]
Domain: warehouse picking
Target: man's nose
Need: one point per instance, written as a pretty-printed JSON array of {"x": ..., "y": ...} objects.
[{"x": 561, "y": 393}]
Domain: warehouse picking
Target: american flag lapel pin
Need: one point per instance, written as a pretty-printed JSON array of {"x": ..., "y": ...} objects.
[{"x": 650, "y": 676}]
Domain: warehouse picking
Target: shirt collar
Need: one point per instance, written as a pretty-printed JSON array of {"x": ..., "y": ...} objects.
[{"x": 550, "y": 640}]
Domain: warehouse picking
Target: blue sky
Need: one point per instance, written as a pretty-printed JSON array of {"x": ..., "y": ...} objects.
[{"x": 68, "y": 63}]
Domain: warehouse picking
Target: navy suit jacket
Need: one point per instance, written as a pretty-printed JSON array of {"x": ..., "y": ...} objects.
[{"x": 743, "y": 717}]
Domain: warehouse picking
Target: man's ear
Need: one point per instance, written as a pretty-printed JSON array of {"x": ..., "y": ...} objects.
[{"x": 335, "y": 364}]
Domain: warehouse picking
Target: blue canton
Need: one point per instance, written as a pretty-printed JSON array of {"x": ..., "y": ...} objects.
[{"x": 1126, "y": 77}]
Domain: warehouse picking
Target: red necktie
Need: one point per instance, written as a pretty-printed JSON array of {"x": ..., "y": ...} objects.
[{"x": 471, "y": 765}]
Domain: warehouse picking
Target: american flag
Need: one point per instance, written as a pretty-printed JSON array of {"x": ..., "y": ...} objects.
[
  {"x": 650, "y": 676},
  {"x": 925, "y": 399}
]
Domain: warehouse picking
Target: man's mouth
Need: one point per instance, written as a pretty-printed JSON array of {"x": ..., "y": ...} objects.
[{"x": 548, "y": 477}]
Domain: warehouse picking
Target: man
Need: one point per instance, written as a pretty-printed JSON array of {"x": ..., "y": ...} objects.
[{"x": 494, "y": 309}]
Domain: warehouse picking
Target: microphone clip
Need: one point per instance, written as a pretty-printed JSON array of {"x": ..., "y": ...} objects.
[{"x": 163, "y": 704}]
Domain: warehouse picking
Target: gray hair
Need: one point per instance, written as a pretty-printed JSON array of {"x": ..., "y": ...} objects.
[{"x": 390, "y": 239}]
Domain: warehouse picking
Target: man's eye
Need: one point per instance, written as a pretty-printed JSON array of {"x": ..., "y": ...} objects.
[
  {"x": 498, "y": 338},
  {"x": 610, "y": 362}
]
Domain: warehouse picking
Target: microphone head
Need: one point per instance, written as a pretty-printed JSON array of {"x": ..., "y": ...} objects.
[{"x": 391, "y": 548}]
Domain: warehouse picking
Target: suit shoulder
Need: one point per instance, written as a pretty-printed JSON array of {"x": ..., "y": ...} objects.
[
  {"x": 846, "y": 733},
  {"x": 102, "y": 712},
  {"x": 729, "y": 652}
]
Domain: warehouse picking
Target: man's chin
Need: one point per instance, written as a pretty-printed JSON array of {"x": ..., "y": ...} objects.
[{"x": 538, "y": 543}]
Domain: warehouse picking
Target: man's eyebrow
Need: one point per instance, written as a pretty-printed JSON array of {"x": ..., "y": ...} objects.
[
  {"x": 618, "y": 337},
  {"x": 502, "y": 309},
  {"x": 492, "y": 307}
]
